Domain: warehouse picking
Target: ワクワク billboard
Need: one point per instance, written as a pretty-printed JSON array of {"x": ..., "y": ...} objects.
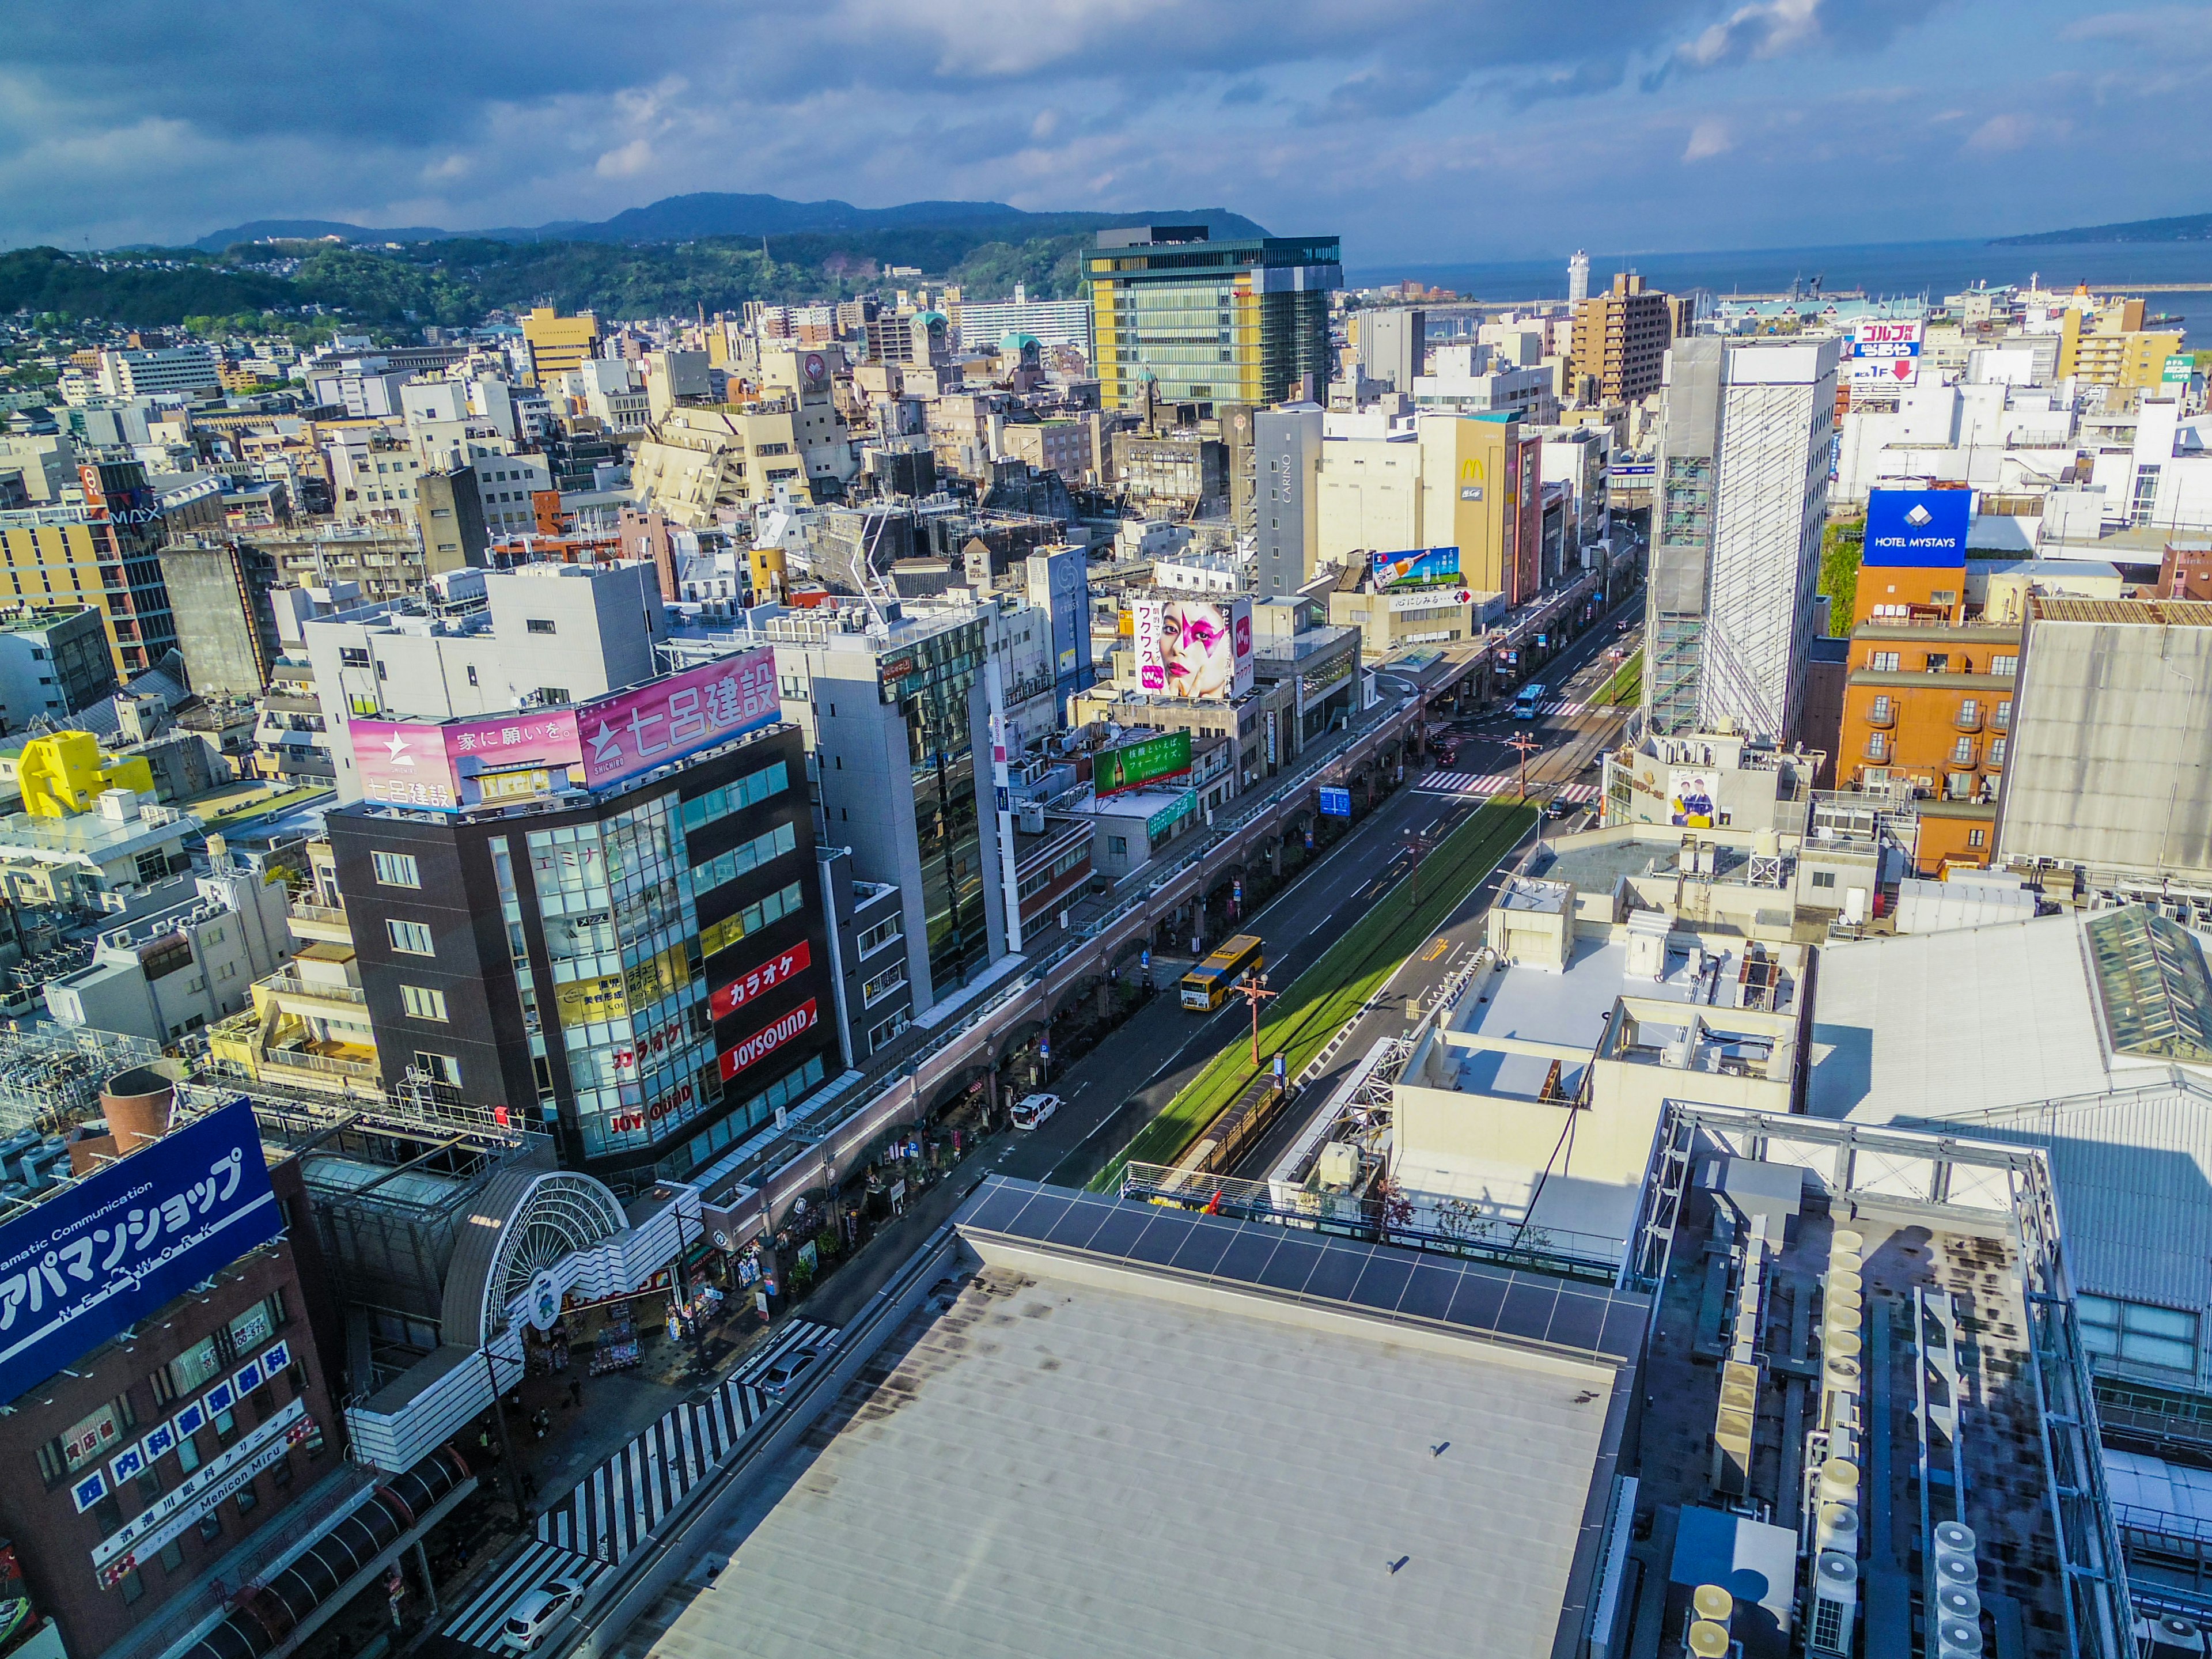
[
  {"x": 1427, "y": 567},
  {"x": 1923, "y": 527},
  {"x": 1190, "y": 650},
  {"x": 111, "y": 1249},
  {"x": 1132, "y": 765}
]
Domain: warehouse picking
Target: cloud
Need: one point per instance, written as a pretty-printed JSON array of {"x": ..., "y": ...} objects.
[{"x": 1709, "y": 138}]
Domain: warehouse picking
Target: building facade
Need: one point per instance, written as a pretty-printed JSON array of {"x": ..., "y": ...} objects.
[
  {"x": 1736, "y": 540},
  {"x": 1620, "y": 337},
  {"x": 226, "y": 623},
  {"x": 1179, "y": 317},
  {"x": 52, "y": 663}
]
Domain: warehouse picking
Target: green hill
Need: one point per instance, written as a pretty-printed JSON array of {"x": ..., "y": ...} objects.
[{"x": 2190, "y": 227}]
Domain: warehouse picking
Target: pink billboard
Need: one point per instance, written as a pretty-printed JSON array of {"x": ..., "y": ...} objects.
[
  {"x": 452, "y": 766},
  {"x": 635, "y": 731}
]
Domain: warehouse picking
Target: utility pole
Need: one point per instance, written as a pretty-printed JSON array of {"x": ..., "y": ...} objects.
[
  {"x": 1253, "y": 987},
  {"x": 1525, "y": 743},
  {"x": 505, "y": 1446},
  {"x": 1417, "y": 843}
]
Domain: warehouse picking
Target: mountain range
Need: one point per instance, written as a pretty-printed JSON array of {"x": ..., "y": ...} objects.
[
  {"x": 2189, "y": 227},
  {"x": 716, "y": 213}
]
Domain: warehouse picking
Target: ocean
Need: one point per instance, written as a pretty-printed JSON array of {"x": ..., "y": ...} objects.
[{"x": 1879, "y": 268}]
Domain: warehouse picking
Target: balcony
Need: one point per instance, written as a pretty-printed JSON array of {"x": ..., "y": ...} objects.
[
  {"x": 1881, "y": 712},
  {"x": 290, "y": 989},
  {"x": 325, "y": 1066},
  {"x": 1876, "y": 749},
  {"x": 1968, "y": 719}
]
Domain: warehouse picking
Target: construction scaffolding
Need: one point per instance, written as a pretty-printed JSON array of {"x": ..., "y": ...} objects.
[{"x": 50, "y": 1076}]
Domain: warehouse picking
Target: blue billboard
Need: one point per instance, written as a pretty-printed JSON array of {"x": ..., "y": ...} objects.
[
  {"x": 1920, "y": 527},
  {"x": 1424, "y": 567},
  {"x": 1335, "y": 803},
  {"x": 110, "y": 1250}
]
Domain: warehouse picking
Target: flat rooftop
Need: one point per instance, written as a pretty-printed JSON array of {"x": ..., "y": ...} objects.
[
  {"x": 1125, "y": 1437},
  {"x": 1570, "y": 1008}
]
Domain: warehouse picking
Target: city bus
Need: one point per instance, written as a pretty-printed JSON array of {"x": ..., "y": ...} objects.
[
  {"x": 1205, "y": 985},
  {"x": 1531, "y": 699}
]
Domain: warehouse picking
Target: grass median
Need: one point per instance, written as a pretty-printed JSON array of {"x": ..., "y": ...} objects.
[
  {"x": 1627, "y": 685},
  {"x": 1310, "y": 1009}
]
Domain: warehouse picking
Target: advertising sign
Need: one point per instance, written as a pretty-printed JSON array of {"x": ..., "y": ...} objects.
[
  {"x": 1167, "y": 817},
  {"x": 1885, "y": 353},
  {"x": 1191, "y": 649},
  {"x": 1133, "y": 765},
  {"x": 218, "y": 1477},
  {"x": 728, "y": 998},
  {"x": 108, "y": 1251},
  {"x": 664, "y": 720},
  {"x": 453, "y": 765},
  {"x": 2178, "y": 369},
  {"x": 1692, "y": 797},
  {"x": 1427, "y": 567},
  {"x": 1335, "y": 803},
  {"x": 1926, "y": 528},
  {"x": 1426, "y": 598},
  {"x": 765, "y": 1042}
]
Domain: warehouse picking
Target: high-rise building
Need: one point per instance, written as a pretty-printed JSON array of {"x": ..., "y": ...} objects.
[
  {"x": 1620, "y": 336},
  {"x": 557, "y": 345},
  {"x": 226, "y": 623},
  {"x": 1579, "y": 279},
  {"x": 1736, "y": 538},
  {"x": 132, "y": 373},
  {"x": 1286, "y": 443},
  {"x": 1180, "y": 317},
  {"x": 1394, "y": 346}
]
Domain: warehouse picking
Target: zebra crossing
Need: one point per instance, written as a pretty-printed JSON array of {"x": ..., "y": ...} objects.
[
  {"x": 478, "y": 1623},
  {"x": 1486, "y": 784},
  {"x": 615, "y": 1508},
  {"x": 1562, "y": 706}
]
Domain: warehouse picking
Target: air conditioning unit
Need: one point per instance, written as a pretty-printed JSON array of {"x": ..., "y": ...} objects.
[
  {"x": 1835, "y": 1602},
  {"x": 2171, "y": 1637}
]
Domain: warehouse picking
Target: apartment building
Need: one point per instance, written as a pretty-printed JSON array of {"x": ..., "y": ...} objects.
[
  {"x": 556, "y": 344},
  {"x": 1620, "y": 336}
]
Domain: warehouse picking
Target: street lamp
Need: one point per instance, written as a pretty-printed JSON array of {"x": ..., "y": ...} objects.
[
  {"x": 1417, "y": 843},
  {"x": 1253, "y": 987}
]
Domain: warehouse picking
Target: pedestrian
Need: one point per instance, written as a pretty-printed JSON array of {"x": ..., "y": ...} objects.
[
  {"x": 541, "y": 1422},
  {"x": 575, "y": 1391},
  {"x": 461, "y": 1555}
]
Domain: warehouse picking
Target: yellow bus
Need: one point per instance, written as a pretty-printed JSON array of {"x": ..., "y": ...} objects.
[{"x": 1205, "y": 985}]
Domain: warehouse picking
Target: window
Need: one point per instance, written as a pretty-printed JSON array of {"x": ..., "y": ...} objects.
[
  {"x": 887, "y": 1032},
  {"x": 2009, "y": 664},
  {"x": 1978, "y": 838},
  {"x": 354, "y": 656},
  {"x": 1824, "y": 878},
  {"x": 1970, "y": 710},
  {"x": 883, "y": 934},
  {"x": 720, "y": 935},
  {"x": 172, "y": 1556},
  {"x": 411, "y": 937},
  {"x": 188, "y": 1453},
  {"x": 539, "y": 625},
  {"x": 211, "y": 1526},
  {"x": 251, "y": 1328},
  {"x": 2137, "y": 1333},
  {"x": 1962, "y": 753},
  {"x": 89, "y": 1438},
  {"x": 1883, "y": 662},
  {"x": 875, "y": 990},
  {"x": 1939, "y": 662},
  {"x": 1881, "y": 713},
  {"x": 185, "y": 1373},
  {"x": 396, "y": 869},
  {"x": 745, "y": 855},
  {"x": 1117, "y": 844},
  {"x": 472, "y": 673},
  {"x": 422, "y": 1002},
  {"x": 133, "y": 1586},
  {"x": 439, "y": 1068},
  {"x": 552, "y": 696},
  {"x": 755, "y": 786}
]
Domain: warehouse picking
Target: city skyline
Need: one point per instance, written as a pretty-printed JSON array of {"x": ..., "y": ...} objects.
[{"x": 1417, "y": 133}]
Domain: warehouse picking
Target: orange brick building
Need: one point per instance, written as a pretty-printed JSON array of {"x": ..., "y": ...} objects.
[{"x": 1927, "y": 705}]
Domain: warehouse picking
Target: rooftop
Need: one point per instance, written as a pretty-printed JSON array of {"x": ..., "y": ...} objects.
[{"x": 1237, "y": 1437}]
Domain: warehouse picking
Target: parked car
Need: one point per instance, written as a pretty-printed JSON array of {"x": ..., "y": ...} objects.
[
  {"x": 776, "y": 1381},
  {"x": 528, "y": 1621},
  {"x": 1033, "y": 1109}
]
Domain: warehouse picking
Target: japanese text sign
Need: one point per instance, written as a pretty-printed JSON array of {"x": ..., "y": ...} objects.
[
  {"x": 635, "y": 731},
  {"x": 114, "y": 1248},
  {"x": 728, "y": 998}
]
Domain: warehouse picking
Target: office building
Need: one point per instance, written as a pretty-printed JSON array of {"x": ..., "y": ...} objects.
[
  {"x": 1399, "y": 485},
  {"x": 53, "y": 664},
  {"x": 1178, "y": 317},
  {"x": 548, "y": 635},
  {"x": 1286, "y": 450},
  {"x": 604, "y": 917},
  {"x": 105, "y": 553},
  {"x": 896, "y": 717},
  {"x": 1059, "y": 586},
  {"x": 226, "y": 623},
  {"x": 163, "y": 1438},
  {"x": 2105, "y": 771},
  {"x": 1736, "y": 539},
  {"x": 1393, "y": 346},
  {"x": 1578, "y": 279},
  {"x": 141, "y": 373},
  {"x": 984, "y": 325},
  {"x": 1620, "y": 336},
  {"x": 557, "y": 345}
]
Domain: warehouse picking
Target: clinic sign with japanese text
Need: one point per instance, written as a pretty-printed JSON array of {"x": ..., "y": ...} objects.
[{"x": 114, "y": 1248}]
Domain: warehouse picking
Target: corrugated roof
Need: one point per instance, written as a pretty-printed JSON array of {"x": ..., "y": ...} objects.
[{"x": 2140, "y": 613}]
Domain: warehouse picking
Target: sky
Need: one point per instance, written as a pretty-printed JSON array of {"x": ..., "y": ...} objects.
[{"x": 1417, "y": 130}]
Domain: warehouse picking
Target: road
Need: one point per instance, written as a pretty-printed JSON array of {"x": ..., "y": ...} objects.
[{"x": 1111, "y": 1091}]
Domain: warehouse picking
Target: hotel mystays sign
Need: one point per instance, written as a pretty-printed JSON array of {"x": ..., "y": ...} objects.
[{"x": 111, "y": 1249}]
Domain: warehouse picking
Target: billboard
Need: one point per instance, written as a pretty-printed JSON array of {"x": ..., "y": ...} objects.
[
  {"x": 108, "y": 1251},
  {"x": 728, "y": 998},
  {"x": 1692, "y": 797},
  {"x": 1133, "y": 765},
  {"x": 1886, "y": 353},
  {"x": 2177, "y": 369},
  {"x": 1926, "y": 528},
  {"x": 1335, "y": 802},
  {"x": 1426, "y": 566},
  {"x": 769, "y": 1038},
  {"x": 451, "y": 766},
  {"x": 1192, "y": 649}
]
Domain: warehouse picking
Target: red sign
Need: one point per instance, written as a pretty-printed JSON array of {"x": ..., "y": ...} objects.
[
  {"x": 728, "y": 998},
  {"x": 763, "y": 1044}
]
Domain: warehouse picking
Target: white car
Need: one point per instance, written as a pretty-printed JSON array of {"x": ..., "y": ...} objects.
[
  {"x": 1033, "y": 1109},
  {"x": 778, "y": 1378},
  {"x": 528, "y": 1621}
]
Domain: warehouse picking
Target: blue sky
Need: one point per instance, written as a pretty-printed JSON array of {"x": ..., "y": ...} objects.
[{"x": 1420, "y": 129}]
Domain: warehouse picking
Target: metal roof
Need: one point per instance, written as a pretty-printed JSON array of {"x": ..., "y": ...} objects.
[{"x": 2141, "y": 613}]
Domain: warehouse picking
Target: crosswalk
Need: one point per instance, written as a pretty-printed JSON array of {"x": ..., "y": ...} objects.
[
  {"x": 1486, "y": 784},
  {"x": 616, "y": 1508},
  {"x": 478, "y": 1623},
  {"x": 1562, "y": 706}
]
